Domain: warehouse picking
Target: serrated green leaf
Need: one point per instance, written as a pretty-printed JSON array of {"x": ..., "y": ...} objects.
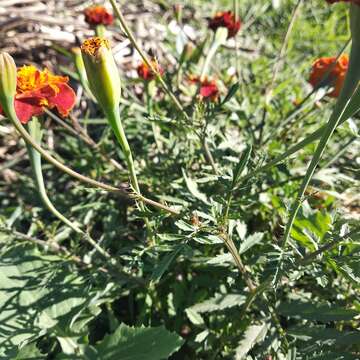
[
  {"x": 252, "y": 335},
  {"x": 28, "y": 352},
  {"x": 241, "y": 165},
  {"x": 194, "y": 190},
  {"x": 194, "y": 317},
  {"x": 219, "y": 302},
  {"x": 142, "y": 343},
  {"x": 316, "y": 312},
  {"x": 165, "y": 263},
  {"x": 250, "y": 241},
  {"x": 40, "y": 294},
  {"x": 331, "y": 336}
]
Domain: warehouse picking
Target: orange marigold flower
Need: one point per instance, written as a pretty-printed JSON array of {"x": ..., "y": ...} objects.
[
  {"x": 208, "y": 89},
  {"x": 146, "y": 73},
  {"x": 225, "y": 19},
  {"x": 98, "y": 15},
  {"x": 327, "y": 71},
  {"x": 37, "y": 90}
]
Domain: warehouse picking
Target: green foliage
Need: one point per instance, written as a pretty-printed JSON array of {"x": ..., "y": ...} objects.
[
  {"x": 180, "y": 287},
  {"x": 131, "y": 343}
]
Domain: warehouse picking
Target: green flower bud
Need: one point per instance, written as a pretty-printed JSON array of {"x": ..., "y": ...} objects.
[
  {"x": 8, "y": 75},
  {"x": 102, "y": 73}
]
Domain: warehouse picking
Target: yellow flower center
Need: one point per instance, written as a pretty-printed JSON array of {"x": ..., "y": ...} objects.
[
  {"x": 93, "y": 45},
  {"x": 29, "y": 78}
]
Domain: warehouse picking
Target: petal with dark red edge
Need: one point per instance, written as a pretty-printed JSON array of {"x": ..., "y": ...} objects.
[
  {"x": 64, "y": 101},
  {"x": 26, "y": 108}
]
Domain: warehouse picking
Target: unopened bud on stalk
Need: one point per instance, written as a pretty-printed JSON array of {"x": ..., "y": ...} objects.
[
  {"x": 102, "y": 72},
  {"x": 8, "y": 77}
]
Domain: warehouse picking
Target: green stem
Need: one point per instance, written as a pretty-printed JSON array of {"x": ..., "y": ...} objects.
[
  {"x": 100, "y": 30},
  {"x": 35, "y": 160},
  {"x": 294, "y": 149},
  {"x": 116, "y": 125},
  {"x": 9, "y": 110},
  {"x": 208, "y": 154},
  {"x": 346, "y": 104},
  {"x": 154, "y": 127},
  {"x": 148, "y": 63},
  {"x": 219, "y": 38},
  {"x": 340, "y": 152}
]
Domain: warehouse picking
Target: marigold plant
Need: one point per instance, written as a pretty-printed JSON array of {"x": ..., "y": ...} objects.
[
  {"x": 98, "y": 15},
  {"x": 39, "y": 90},
  {"x": 146, "y": 73},
  {"x": 330, "y": 71},
  {"x": 200, "y": 205},
  {"x": 208, "y": 89},
  {"x": 227, "y": 20}
]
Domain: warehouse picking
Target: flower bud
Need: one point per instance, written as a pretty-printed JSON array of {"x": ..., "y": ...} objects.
[
  {"x": 102, "y": 73},
  {"x": 8, "y": 78}
]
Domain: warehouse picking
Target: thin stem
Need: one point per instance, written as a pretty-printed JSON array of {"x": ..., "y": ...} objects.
[
  {"x": 298, "y": 108},
  {"x": 54, "y": 246},
  {"x": 149, "y": 104},
  {"x": 29, "y": 140},
  {"x": 144, "y": 57},
  {"x": 100, "y": 30},
  {"x": 329, "y": 246},
  {"x": 80, "y": 69},
  {"x": 208, "y": 155},
  {"x": 276, "y": 69},
  {"x": 148, "y": 63},
  {"x": 156, "y": 204},
  {"x": 116, "y": 124},
  {"x": 278, "y": 62},
  {"x": 329, "y": 130},
  {"x": 236, "y": 256},
  {"x": 10, "y": 112},
  {"x": 237, "y": 58},
  {"x": 341, "y": 112},
  {"x": 218, "y": 39},
  {"x": 300, "y": 145},
  {"x": 340, "y": 152},
  {"x": 35, "y": 160},
  {"x": 81, "y": 133}
]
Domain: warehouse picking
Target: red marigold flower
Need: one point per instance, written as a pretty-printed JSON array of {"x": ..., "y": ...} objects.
[
  {"x": 335, "y": 1},
  {"x": 37, "y": 90},
  {"x": 98, "y": 15},
  {"x": 146, "y": 73},
  {"x": 330, "y": 71},
  {"x": 225, "y": 19},
  {"x": 208, "y": 88}
]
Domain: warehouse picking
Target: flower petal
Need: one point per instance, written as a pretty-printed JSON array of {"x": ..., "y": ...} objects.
[
  {"x": 27, "y": 108},
  {"x": 64, "y": 101}
]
